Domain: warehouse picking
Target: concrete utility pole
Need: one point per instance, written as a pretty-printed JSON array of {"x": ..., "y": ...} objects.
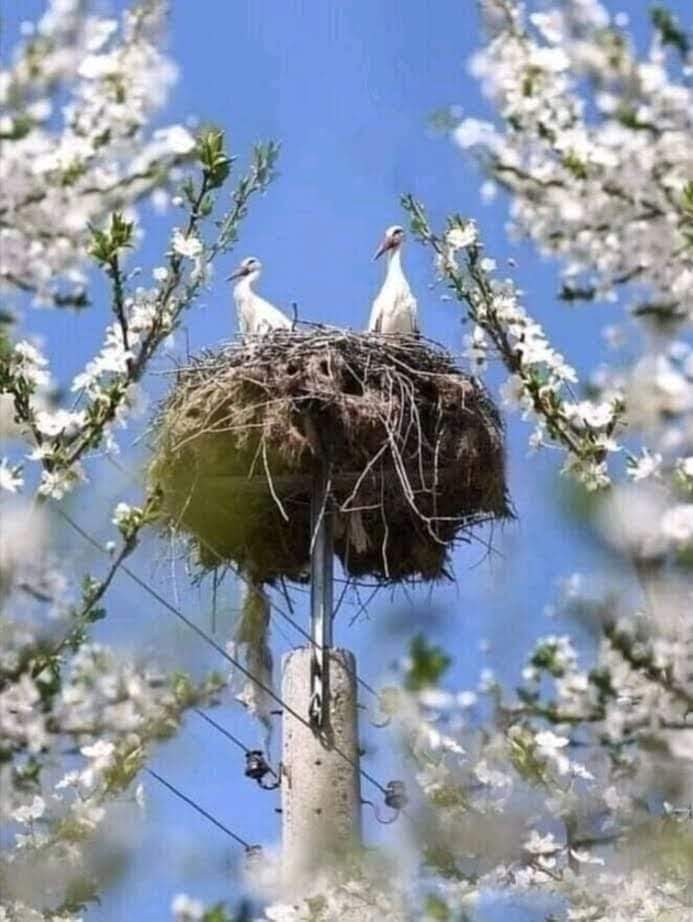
[{"x": 321, "y": 791}]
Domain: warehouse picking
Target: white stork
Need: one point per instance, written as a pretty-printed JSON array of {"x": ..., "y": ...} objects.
[
  {"x": 394, "y": 309},
  {"x": 255, "y": 315}
]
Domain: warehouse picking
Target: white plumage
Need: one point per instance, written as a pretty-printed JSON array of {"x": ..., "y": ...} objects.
[
  {"x": 394, "y": 309},
  {"x": 255, "y": 315}
]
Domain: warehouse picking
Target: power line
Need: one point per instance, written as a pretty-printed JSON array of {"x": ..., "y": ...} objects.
[
  {"x": 227, "y": 733},
  {"x": 198, "y": 808},
  {"x": 216, "y": 646}
]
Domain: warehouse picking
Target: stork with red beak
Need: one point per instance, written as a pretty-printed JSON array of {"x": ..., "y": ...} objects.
[
  {"x": 255, "y": 315},
  {"x": 394, "y": 309}
]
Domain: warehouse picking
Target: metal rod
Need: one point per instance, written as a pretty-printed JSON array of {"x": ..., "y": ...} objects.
[{"x": 321, "y": 598}]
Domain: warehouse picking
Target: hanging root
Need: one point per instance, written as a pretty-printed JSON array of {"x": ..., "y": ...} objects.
[{"x": 251, "y": 642}]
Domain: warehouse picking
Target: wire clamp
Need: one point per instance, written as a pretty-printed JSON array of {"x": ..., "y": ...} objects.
[{"x": 315, "y": 708}]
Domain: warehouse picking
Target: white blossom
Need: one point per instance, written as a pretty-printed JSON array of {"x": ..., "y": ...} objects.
[
  {"x": 73, "y": 170},
  {"x": 186, "y": 909},
  {"x": 30, "y": 812},
  {"x": 550, "y": 746},
  {"x": 176, "y": 139},
  {"x": 56, "y": 484},
  {"x": 188, "y": 246},
  {"x": 31, "y": 364},
  {"x": 677, "y": 524},
  {"x": 583, "y": 856},
  {"x": 59, "y": 422},
  {"x": 10, "y": 477},
  {"x": 537, "y": 844},
  {"x": 457, "y": 238},
  {"x": 645, "y": 466}
]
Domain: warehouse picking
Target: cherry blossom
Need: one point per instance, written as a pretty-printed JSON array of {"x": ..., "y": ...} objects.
[
  {"x": 10, "y": 477},
  {"x": 539, "y": 791}
]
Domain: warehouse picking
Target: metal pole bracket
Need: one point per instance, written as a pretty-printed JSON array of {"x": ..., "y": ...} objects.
[{"x": 321, "y": 598}]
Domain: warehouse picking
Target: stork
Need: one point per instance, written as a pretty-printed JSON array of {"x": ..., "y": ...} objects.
[
  {"x": 394, "y": 309},
  {"x": 255, "y": 315}
]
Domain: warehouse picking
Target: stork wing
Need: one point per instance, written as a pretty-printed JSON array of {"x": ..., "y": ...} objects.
[
  {"x": 376, "y": 319},
  {"x": 268, "y": 317},
  {"x": 415, "y": 318},
  {"x": 279, "y": 319}
]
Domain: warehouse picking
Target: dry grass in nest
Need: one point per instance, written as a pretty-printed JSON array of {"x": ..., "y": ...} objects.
[{"x": 413, "y": 448}]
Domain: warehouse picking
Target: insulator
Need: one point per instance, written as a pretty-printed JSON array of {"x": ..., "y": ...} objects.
[
  {"x": 396, "y": 795},
  {"x": 256, "y": 766},
  {"x": 253, "y": 856}
]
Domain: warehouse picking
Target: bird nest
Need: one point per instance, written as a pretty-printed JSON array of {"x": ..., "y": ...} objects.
[{"x": 411, "y": 447}]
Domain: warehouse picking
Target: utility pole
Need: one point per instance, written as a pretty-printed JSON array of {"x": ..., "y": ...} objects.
[{"x": 321, "y": 791}]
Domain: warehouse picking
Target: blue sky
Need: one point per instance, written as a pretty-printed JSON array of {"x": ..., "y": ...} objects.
[{"x": 347, "y": 88}]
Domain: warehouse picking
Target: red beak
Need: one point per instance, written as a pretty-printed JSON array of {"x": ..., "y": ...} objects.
[
  {"x": 237, "y": 274},
  {"x": 385, "y": 245}
]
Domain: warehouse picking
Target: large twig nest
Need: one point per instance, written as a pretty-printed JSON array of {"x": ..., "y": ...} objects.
[{"x": 413, "y": 448}]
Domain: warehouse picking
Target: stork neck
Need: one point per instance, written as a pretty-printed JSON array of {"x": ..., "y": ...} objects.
[
  {"x": 243, "y": 286},
  {"x": 394, "y": 263}
]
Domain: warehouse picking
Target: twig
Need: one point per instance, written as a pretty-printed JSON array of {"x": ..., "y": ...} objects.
[{"x": 270, "y": 483}]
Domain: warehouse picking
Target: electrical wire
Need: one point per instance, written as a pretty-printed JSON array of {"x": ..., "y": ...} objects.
[
  {"x": 191, "y": 803},
  {"x": 216, "y": 646},
  {"x": 227, "y": 733}
]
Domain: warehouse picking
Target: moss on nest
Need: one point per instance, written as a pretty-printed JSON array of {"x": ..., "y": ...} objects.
[{"x": 413, "y": 447}]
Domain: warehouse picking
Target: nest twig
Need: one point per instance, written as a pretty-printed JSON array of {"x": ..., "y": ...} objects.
[{"x": 413, "y": 449}]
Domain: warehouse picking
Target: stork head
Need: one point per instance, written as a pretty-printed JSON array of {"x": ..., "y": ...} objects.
[
  {"x": 250, "y": 268},
  {"x": 392, "y": 240}
]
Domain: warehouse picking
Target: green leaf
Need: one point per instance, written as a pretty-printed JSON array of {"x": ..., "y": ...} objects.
[
  {"x": 417, "y": 216},
  {"x": 20, "y": 128},
  {"x": 545, "y": 657},
  {"x": 265, "y": 158},
  {"x": 96, "y": 614},
  {"x": 577, "y": 293},
  {"x": 628, "y": 117},
  {"x": 443, "y": 120},
  {"x": 662, "y": 314},
  {"x": 213, "y": 157},
  {"x": 443, "y": 860},
  {"x": 188, "y": 190},
  {"x": 687, "y": 198},
  {"x": 72, "y": 173},
  {"x": 428, "y": 663},
  {"x": 26, "y": 777},
  {"x": 437, "y": 909},
  {"x": 105, "y": 245},
  {"x": 217, "y": 913},
  {"x": 121, "y": 231},
  {"x": 79, "y": 893},
  {"x": 574, "y": 165},
  {"x": 523, "y": 755},
  {"x": 206, "y": 206},
  {"x": 669, "y": 29}
]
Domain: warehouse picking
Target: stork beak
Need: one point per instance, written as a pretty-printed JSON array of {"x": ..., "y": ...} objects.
[
  {"x": 385, "y": 245},
  {"x": 238, "y": 273}
]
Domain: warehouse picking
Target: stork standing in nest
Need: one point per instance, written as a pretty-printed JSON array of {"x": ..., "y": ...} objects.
[
  {"x": 255, "y": 315},
  {"x": 394, "y": 309}
]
